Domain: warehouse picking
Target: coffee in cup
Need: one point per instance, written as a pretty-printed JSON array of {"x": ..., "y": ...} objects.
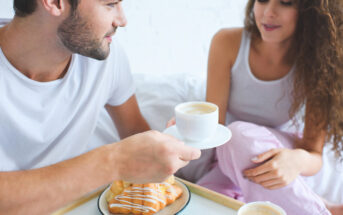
[
  {"x": 196, "y": 121},
  {"x": 261, "y": 208}
]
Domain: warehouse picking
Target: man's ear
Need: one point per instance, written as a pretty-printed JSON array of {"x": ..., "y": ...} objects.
[{"x": 55, "y": 7}]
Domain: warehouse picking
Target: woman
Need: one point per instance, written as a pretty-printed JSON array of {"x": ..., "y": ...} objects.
[{"x": 288, "y": 56}]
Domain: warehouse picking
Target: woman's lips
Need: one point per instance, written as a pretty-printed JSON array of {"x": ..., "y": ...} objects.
[{"x": 268, "y": 27}]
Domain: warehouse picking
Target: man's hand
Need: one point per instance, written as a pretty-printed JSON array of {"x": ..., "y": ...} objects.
[
  {"x": 279, "y": 169},
  {"x": 151, "y": 157}
]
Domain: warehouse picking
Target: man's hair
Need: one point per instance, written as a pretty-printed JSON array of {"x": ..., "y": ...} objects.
[{"x": 24, "y": 8}]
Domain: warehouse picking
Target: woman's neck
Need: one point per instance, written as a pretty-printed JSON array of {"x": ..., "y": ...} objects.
[{"x": 276, "y": 53}]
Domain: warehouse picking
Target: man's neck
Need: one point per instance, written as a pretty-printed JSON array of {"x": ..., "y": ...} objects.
[{"x": 34, "y": 50}]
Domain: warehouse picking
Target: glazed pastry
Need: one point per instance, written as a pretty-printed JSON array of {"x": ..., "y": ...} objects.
[{"x": 141, "y": 199}]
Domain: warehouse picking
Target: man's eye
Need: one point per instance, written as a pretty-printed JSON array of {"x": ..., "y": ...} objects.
[
  {"x": 112, "y": 4},
  {"x": 262, "y": 1}
]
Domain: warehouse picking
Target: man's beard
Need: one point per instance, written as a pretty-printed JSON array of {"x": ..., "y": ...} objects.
[{"x": 77, "y": 36}]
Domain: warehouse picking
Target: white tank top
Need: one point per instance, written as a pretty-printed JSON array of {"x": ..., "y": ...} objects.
[{"x": 254, "y": 100}]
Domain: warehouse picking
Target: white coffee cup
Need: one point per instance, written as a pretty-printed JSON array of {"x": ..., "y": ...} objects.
[
  {"x": 261, "y": 208},
  {"x": 196, "y": 121}
]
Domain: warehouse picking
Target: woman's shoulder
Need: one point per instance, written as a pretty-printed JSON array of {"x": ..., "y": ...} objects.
[
  {"x": 229, "y": 35},
  {"x": 226, "y": 43},
  {"x": 1, "y": 35}
]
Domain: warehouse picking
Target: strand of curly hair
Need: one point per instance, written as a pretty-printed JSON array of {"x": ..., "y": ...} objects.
[{"x": 318, "y": 76}]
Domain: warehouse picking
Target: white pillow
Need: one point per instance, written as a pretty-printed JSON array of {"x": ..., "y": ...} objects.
[{"x": 157, "y": 95}]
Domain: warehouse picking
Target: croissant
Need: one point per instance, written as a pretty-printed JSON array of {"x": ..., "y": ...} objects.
[{"x": 141, "y": 199}]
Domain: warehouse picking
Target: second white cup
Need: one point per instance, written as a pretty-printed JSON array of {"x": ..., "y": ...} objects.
[
  {"x": 196, "y": 121},
  {"x": 261, "y": 208}
]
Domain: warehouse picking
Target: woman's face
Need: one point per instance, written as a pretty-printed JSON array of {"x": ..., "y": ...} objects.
[{"x": 276, "y": 19}]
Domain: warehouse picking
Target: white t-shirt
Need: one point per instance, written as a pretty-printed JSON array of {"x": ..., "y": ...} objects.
[{"x": 42, "y": 123}]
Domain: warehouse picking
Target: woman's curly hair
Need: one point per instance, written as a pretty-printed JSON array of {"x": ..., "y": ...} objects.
[{"x": 318, "y": 77}]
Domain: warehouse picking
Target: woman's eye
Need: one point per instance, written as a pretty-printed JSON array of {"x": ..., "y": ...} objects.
[
  {"x": 283, "y": 2},
  {"x": 287, "y": 3}
]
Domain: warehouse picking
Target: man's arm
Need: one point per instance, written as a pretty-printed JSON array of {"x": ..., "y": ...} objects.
[
  {"x": 41, "y": 191},
  {"x": 145, "y": 157},
  {"x": 128, "y": 118}
]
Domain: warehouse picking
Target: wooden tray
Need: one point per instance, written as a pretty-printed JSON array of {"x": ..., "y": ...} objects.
[
  {"x": 194, "y": 188},
  {"x": 80, "y": 201},
  {"x": 213, "y": 196}
]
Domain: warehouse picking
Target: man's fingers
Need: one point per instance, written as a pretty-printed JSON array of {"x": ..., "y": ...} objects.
[
  {"x": 172, "y": 140},
  {"x": 181, "y": 164},
  {"x": 187, "y": 153},
  {"x": 184, "y": 152}
]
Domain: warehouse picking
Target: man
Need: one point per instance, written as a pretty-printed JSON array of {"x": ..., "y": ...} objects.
[{"x": 50, "y": 100}]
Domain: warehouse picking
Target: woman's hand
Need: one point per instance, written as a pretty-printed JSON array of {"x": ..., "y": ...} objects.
[
  {"x": 280, "y": 168},
  {"x": 171, "y": 122}
]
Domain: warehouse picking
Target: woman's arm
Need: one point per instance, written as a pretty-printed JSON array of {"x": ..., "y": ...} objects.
[
  {"x": 223, "y": 52},
  {"x": 310, "y": 147}
]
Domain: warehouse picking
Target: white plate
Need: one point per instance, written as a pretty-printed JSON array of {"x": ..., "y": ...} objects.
[
  {"x": 173, "y": 208},
  {"x": 221, "y": 136}
]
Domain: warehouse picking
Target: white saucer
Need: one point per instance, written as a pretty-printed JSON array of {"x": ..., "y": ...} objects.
[{"x": 221, "y": 136}]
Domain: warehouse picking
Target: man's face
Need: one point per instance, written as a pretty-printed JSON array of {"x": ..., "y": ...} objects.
[{"x": 88, "y": 30}]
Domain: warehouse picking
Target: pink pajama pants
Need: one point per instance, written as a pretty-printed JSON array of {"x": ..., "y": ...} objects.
[{"x": 249, "y": 140}]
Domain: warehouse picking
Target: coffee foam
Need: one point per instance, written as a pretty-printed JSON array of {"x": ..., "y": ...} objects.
[
  {"x": 198, "y": 109},
  {"x": 259, "y": 210}
]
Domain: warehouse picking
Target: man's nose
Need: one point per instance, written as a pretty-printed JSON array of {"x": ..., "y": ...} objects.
[{"x": 119, "y": 19}]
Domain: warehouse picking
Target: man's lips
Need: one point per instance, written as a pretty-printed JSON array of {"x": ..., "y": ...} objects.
[
  {"x": 110, "y": 35},
  {"x": 270, "y": 27},
  {"x": 109, "y": 38}
]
